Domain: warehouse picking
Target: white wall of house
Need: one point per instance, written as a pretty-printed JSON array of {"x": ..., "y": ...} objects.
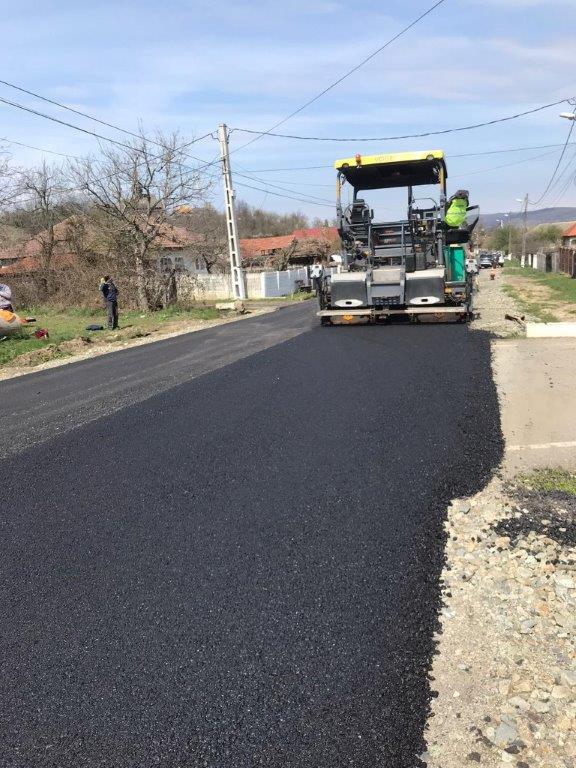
[{"x": 182, "y": 260}]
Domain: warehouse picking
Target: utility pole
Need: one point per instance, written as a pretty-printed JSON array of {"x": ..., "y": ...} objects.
[
  {"x": 236, "y": 270},
  {"x": 524, "y": 211}
]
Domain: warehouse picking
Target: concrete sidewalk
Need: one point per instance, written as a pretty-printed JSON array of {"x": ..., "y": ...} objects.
[{"x": 536, "y": 380}]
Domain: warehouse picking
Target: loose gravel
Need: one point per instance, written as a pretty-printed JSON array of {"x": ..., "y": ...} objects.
[
  {"x": 504, "y": 672},
  {"x": 506, "y": 669}
]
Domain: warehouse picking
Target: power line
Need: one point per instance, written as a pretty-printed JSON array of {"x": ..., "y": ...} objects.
[
  {"x": 504, "y": 151},
  {"x": 277, "y": 194},
  {"x": 38, "y": 149},
  {"x": 504, "y": 165},
  {"x": 571, "y": 180},
  {"x": 543, "y": 195},
  {"x": 63, "y": 122},
  {"x": 276, "y": 186},
  {"x": 448, "y": 156},
  {"x": 564, "y": 178},
  {"x": 301, "y": 168},
  {"x": 345, "y": 75},
  {"x": 406, "y": 136},
  {"x": 122, "y": 144},
  {"x": 283, "y": 181},
  {"x": 98, "y": 120}
]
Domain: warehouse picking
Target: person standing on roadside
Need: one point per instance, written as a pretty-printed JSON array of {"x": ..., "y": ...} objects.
[{"x": 110, "y": 294}]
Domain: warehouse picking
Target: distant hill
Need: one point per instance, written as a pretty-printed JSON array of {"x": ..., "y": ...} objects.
[{"x": 542, "y": 216}]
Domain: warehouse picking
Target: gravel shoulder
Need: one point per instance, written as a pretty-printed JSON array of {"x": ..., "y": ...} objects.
[
  {"x": 492, "y": 304},
  {"x": 504, "y": 673}
]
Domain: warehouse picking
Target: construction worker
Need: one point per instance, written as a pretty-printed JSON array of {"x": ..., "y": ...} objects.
[
  {"x": 456, "y": 208},
  {"x": 110, "y": 295},
  {"x": 316, "y": 272}
]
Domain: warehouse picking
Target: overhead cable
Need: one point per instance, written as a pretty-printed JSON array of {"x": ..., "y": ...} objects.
[
  {"x": 283, "y": 189},
  {"x": 344, "y": 76},
  {"x": 405, "y": 136},
  {"x": 277, "y": 194},
  {"x": 97, "y": 119},
  {"x": 38, "y": 149},
  {"x": 504, "y": 165},
  {"x": 122, "y": 144},
  {"x": 543, "y": 195},
  {"x": 448, "y": 156}
]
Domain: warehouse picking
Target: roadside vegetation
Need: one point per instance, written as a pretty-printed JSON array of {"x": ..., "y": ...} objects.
[
  {"x": 68, "y": 334},
  {"x": 549, "y": 480},
  {"x": 546, "y": 296}
]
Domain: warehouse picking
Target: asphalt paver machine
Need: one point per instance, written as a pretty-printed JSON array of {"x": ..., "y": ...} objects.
[{"x": 414, "y": 267}]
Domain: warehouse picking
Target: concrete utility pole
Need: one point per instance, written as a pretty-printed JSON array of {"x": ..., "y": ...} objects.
[
  {"x": 236, "y": 270},
  {"x": 524, "y": 209}
]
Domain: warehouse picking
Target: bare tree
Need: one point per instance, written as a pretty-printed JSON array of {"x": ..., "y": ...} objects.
[
  {"x": 208, "y": 238},
  {"x": 40, "y": 193},
  {"x": 139, "y": 186},
  {"x": 7, "y": 177}
]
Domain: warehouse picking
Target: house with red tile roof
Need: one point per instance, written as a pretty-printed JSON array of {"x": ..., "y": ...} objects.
[
  {"x": 174, "y": 249},
  {"x": 569, "y": 237},
  {"x": 262, "y": 249}
]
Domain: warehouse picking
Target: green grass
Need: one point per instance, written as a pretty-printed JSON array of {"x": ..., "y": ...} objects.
[
  {"x": 550, "y": 480},
  {"x": 538, "y": 310},
  {"x": 562, "y": 287},
  {"x": 71, "y": 324}
]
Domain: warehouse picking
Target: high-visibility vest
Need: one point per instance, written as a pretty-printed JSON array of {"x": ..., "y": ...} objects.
[{"x": 456, "y": 213}]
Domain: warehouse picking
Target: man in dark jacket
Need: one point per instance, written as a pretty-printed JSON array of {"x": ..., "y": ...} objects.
[{"x": 110, "y": 294}]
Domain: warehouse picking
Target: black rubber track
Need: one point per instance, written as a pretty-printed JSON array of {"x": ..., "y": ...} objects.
[{"x": 244, "y": 570}]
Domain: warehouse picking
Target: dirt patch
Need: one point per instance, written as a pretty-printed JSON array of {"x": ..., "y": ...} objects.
[
  {"x": 75, "y": 346},
  {"x": 38, "y": 356},
  {"x": 541, "y": 299}
]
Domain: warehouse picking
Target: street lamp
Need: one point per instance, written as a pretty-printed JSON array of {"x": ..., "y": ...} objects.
[
  {"x": 524, "y": 211},
  {"x": 509, "y": 225},
  {"x": 568, "y": 115}
]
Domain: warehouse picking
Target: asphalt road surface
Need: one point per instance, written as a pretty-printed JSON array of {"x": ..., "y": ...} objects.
[{"x": 232, "y": 559}]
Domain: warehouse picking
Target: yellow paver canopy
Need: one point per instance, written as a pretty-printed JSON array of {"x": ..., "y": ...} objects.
[{"x": 400, "y": 169}]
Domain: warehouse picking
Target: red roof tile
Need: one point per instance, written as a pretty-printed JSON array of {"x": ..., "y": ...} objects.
[
  {"x": 570, "y": 232},
  {"x": 260, "y": 246},
  {"x": 316, "y": 233},
  {"x": 252, "y": 247}
]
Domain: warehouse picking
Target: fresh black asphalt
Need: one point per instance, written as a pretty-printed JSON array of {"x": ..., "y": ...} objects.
[
  {"x": 37, "y": 406},
  {"x": 243, "y": 569}
]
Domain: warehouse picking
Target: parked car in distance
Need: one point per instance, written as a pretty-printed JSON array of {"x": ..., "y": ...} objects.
[
  {"x": 485, "y": 261},
  {"x": 472, "y": 266}
]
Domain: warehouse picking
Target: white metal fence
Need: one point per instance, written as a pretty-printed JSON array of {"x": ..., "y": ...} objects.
[{"x": 259, "y": 285}]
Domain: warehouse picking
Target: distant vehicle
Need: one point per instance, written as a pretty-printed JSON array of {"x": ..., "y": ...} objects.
[
  {"x": 485, "y": 261},
  {"x": 471, "y": 266}
]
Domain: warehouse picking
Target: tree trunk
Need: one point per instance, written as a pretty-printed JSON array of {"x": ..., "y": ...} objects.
[
  {"x": 143, "y": 299},
  {"x": 47, "y": 244}
]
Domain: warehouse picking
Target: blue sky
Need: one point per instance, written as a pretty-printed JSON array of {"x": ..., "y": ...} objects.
[{"x": 191, "y": 64}]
